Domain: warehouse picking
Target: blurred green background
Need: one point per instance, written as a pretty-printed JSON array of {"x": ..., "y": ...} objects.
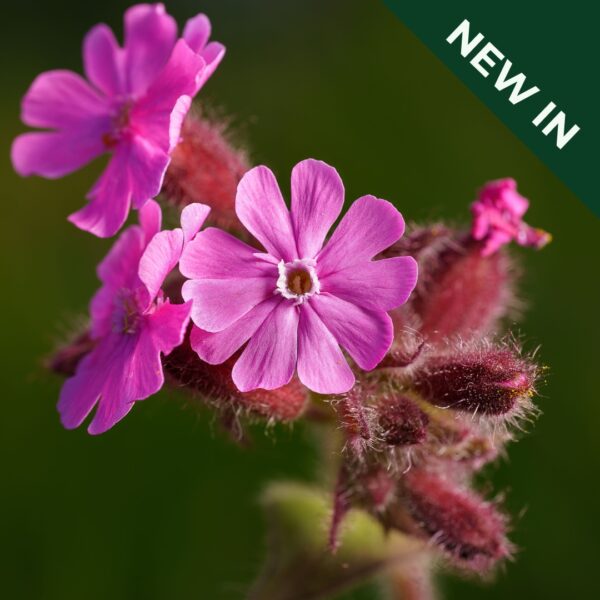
[{"x": 164, "y": 506}]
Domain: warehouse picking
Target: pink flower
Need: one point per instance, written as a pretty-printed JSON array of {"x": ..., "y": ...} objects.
[
  {"x": 298, "y": 302},
  {"x": 132, "y": 322},
  {"x": 497, "y": 218},
  {"x": 132, "y": 107}
]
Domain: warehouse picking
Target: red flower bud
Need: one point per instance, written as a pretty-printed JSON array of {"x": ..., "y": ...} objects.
[
  {"x": 469, "y": 529},
  {"x": 460, "y": 292},
  {"x": 354, "y": 418},
  {"x": 206, "y": 168},
  {"x": 215, "y": 384},
  {"x": 401, "y": 421},
  {"x": 493, "y": 381}
]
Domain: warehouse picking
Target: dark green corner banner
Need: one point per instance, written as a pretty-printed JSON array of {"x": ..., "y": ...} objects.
[{"x": 534, "y": 64}]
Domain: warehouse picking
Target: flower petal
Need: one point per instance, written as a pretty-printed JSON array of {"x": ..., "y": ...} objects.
[
  {"x": 196, "y": 32},
  {"x": 150, "y": 35},
  {"x": 494, "y": 242},
  {"x": 317, "y": 200},
  {"x": 269, "y": 359},
  {"x": 366, "y": 335},
  {"x": 110, "y": 199},
  {"x": 150, "y": 217},
  {"x": 192, "y": 219},
  {"x": 167, "y": 325},
  {"x": 158, "y": 115},
  {"x": 80, "y": 393},
  {"x": 215, "y": 348},
  {"x": 213, "y": 55},
  {"x": 103, "y": 60},
  {"x": 117, "y": 271},
  {"x": 380, "y": 285},
  {"x": 159, "y": 258},
  {"x": 322, "y": 367},
  {"x": 56, "y": 153},
  {"x": 146, "y": 165},
  {"x": 260, "y": 207},
  {"x": 216, "y": 254},
  {"x": 135, "y": 374},
  {"x": 370, "y": 226},
  {"x": 220, "y": 302},
  {"x": 62, "y": 99}
]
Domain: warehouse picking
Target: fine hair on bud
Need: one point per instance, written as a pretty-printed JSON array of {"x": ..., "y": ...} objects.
[
  {"x": 205, "y": 167},
  {"x": 459, "y": 292},
  {"x": 401, "y": 422},
  {"x": 355, "y": 417},
  {"x": 490, "y": 380},
  {"x": 470, "y": 530}
]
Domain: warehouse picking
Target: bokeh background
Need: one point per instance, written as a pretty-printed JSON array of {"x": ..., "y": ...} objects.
[{"x": 164, "y": 506}]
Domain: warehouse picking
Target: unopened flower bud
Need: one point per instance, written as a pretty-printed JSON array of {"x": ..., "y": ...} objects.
[
  {"x": 401, "y": 421},
  {"x": 468, "y": 528},
  {"x": 206, "y": 168},
  {"x": 460, "y": 292},
  {"x": 215, "y": 384},
  {"x": 354, "y": 418},
  {"x": 487, "y": 382}
]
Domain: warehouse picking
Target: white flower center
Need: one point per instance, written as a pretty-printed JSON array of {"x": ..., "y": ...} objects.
[{"x": 298, "y": 280}]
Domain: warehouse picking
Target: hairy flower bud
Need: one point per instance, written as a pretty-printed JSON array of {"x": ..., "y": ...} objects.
[
  {"x": 206, "y": 168},
  {"x": 401, "y": 421},
  {"x": 354, "y": 418},
  {"x": 468, "y": 528},
  {"x": 215, "y": 385},
  {"x": 459, "y": 292},
  {"x": 490, "y": 382}
]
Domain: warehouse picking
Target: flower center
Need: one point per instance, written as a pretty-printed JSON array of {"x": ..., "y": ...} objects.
[
  {"x": 298, "y": 280},
  {"x": 119, "y": 122},
  {"x": 126, "y": 317}
]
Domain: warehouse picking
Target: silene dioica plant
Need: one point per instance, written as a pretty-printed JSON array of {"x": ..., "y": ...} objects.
[{"x": 388, "y": 343}]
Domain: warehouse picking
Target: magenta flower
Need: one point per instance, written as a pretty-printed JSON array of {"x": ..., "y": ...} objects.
[
  {"x": 132, "y": 107},
  {"x": 298, "y": 302},
  {"x": 497, "y": 218},
  {"x": 132, "y": 322}
]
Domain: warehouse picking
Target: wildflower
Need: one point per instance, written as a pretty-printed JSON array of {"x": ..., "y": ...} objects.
[
  {"x": 497, "y": 218},
  {"x": 132, "y": 323},
  {"x": 132, "y": 107},
  {"x": 297, "y": 302}
]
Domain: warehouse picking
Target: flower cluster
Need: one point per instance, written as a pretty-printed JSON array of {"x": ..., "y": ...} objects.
[{"x": 271, "y": 312}]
